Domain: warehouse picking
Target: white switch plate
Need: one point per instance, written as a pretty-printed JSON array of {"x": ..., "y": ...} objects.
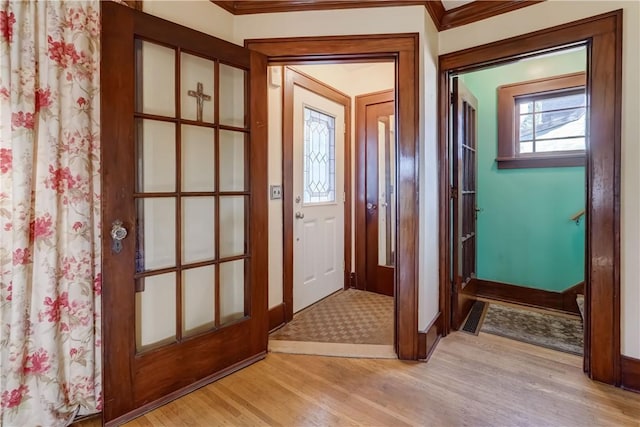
[{"x": 275, "y": 192}]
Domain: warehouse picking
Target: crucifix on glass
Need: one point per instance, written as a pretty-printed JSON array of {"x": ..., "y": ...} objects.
[{"x": 200, "y": 98}]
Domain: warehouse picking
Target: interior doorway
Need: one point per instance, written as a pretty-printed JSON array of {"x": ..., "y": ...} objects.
[
  {"x": 402, "y": 50},
  {"x": 518, "y": 161},
  {"x": 602, "y": 38}
]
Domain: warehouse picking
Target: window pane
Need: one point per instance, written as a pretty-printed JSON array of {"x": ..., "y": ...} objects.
[
  {"x": 232, "y": 161},
  {"x": 526, "y": 127},
  {"x": 559, "y": 102},
  {"x": 526, "y": 107},
  {"x": 232, "y": 83},
  {"x": 198, "y": 299},
  {"x": 319, "y": 157},
  {"x": 156, "y": 233},
  {"x": 196, "y": 87},
  {"x": 198, "y": 233},
  {"x": 156, "y": 152},
  {"x": 232, "y": 226},
  {"x": 156, "y": 311},
  {"x": 526, "y": 147},
  {"x": 157, "y": 83},
  {"x": 198, "y": 165},
  {"x": 231, "y": 291},
  {"x": 560, "y": 124},
  {"x": 568, "y": 144}
]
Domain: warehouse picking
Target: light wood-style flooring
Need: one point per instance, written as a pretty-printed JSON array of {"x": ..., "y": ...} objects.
[{"x": 470, "y": 380}]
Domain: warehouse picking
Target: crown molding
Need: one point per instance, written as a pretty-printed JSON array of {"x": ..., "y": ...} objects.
[{"x": 442, "y": 18}]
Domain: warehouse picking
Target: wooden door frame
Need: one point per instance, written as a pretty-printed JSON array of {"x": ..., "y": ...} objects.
[
  {"x": 360, "y": 220},
  {"x": 602, "y": 36},
  {"x": 403, "y": 50},
  {"x": 293, "y": 78}
]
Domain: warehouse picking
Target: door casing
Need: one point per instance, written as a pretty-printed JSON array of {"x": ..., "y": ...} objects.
[
  {"x": 602, "y": 35},
  {"x": 403, "y": 50}
]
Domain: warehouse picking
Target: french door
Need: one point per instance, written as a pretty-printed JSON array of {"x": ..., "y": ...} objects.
[
  {"x": 464, "y": 196},
  {"x": 184, "y": 209}
]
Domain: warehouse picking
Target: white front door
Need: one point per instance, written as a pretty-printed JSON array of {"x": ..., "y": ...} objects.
[{"x": 318, "y": 197}]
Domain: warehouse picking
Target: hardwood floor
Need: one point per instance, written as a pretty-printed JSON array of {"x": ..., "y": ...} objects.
[{"x": 470, "y": 380}]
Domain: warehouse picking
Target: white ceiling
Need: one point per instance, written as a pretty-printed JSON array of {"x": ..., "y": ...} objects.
[{"x": 452, "y": 4}]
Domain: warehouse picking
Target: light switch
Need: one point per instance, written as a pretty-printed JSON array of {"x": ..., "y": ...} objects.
[{"x": 276, "y": 192}]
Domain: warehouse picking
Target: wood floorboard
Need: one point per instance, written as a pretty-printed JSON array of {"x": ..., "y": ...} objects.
[{"x": 482, "y": 380}]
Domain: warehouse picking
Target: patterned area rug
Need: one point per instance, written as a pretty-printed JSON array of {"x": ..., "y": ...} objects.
[
  {"x": 546, "y": 329},
  {"x": 351, "y": 316}
]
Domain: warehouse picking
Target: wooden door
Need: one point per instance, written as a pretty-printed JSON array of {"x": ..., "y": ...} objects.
[
  {"x": 464, "y": 197},
  {"x": 318, "y": 204},
  {"x": 184, "y": 175},
  {"x": 375, "y": 233}
]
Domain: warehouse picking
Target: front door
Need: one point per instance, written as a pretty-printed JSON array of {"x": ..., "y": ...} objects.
[
  {"x": 464, "y": 197},
  {"x": 376, "y": 171},
  {"x": 318, "y": 204},
  {"x": 184, "y": 209}
]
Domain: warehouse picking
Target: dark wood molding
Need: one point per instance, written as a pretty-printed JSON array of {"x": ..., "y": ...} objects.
[
  {"x": 403, "y": 49},
  {"x": 136, "y": 4},
  {"x": 183, "y": 391},
  {"x": 630, "y": 373},
  {"x": 518, "y": 294},
  {"x": 508, "y": 135},
  {"x": 276, "y": 316},
  {"x": 442, "y": 18},
  {"x": 602, "y": 35},
  {"x": 479, "y": 10},
  {"x": 292, "y": 78},
  {"x": 360, "y": 212},
  {"x": 429, "y": 338}
]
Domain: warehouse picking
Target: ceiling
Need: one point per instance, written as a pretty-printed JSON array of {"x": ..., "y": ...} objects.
[{"x": 445, "y": 14}]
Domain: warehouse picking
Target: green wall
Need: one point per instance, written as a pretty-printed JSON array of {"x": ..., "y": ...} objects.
[{"x": 525, "y": 236}]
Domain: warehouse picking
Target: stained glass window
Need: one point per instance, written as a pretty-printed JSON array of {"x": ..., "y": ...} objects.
[{"x": 319, "y": 177}]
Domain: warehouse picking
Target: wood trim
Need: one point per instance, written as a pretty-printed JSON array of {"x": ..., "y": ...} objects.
[
  {"x": 135, "y": 4},
  {"x": 442, "y": 18},
  {"x": 276, "y": 316},
  {"x": 602, "y": 35},
  {"x": 292, "y": 78},
  {"x": 360, "y": 221},
  {"x": 429, "y": 338},
  {"x": 630, "y": 373},
  {"x": 479, "y": 10},
  {"x": 520, "y": 294},
  {"x": 403, "y": 49},
  {"x": 508, "y": 157},
  {"x": 183, "y": 391}
]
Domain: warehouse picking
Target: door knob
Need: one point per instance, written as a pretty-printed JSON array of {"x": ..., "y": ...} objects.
[
  {"x": 371, "y": 206},
  {"x": 118, "y": 233},
  {"x": 299, "y": 215}
]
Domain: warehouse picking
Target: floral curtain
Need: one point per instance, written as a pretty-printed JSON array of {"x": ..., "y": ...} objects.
[{"x": 50, "y": 365}]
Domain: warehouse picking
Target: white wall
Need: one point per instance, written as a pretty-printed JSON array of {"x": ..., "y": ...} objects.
[
  {"x": 556, "y": 12},
  {"x": 201, "y": 15}
]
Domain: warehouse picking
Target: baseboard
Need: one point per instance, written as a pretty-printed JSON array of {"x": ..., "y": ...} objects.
[
  {"x": 276, "y": 316},
  {"x": 561, "y": 301},
  {"x": 630, "y": 373},
  {"x": 428, "y": 339}
]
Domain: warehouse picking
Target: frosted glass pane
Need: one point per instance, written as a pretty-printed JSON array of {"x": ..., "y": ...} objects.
[
  {"x": 198, "y": 299},
  {"x": 156, "y": 311},
  {"x": 194, "y": 70},
  {"x": 232, "y": 82},
  {"x": 156, "y": 151},
  {"x": 319, "y": 175},
  {"x": 231, "y": 291},
  {"x": 231, "y": 226},
  {"x": 232, "y": 161},
  {"x": 198, "y": 235},
  {"x": 198, "y": 158},
  {"x": 158, "y": 79},
  {"x": 156, "y": 237}
]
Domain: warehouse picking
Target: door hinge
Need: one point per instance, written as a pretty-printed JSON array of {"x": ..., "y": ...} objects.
[
  {"x": 344, "y": 197},
  {"x": 453, "y": 193}
]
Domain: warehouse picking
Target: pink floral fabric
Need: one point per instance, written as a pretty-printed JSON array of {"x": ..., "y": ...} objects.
[{"x": 50, "y": 283}]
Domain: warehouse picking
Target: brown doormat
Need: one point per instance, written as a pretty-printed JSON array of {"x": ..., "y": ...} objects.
[{"x": 539, "y": 327}]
